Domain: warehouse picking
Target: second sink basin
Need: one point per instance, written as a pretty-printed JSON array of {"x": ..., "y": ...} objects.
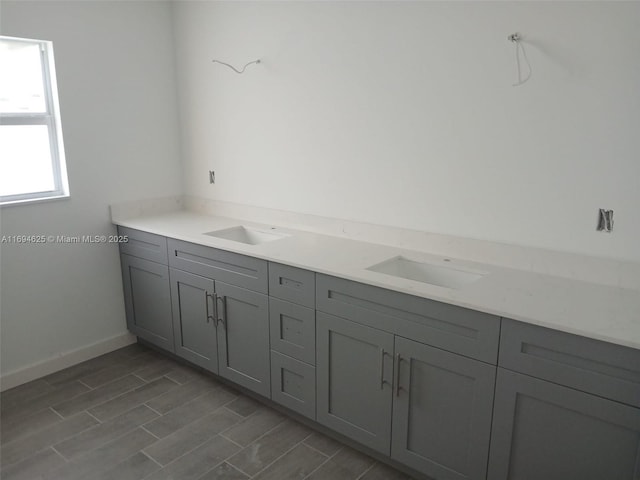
[
  {"x": 441, "y": 276},
  {"x": 248, "y": 235}
]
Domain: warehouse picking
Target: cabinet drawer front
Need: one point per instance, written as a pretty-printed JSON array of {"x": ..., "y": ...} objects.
[
  {"x": 293, "y": 384},
  {"x": 292, "y": 284},
  {"x": 607, "y": 370},
  {"x": 232, "y": 268},
  {"x": 293, "y": 330},
  {"x": 456, "y": 329},
  {"x": 144, "y": 245}
]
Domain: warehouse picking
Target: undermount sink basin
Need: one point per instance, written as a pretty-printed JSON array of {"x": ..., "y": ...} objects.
[
  {"x": 441, "y": 276},
  {"x": 248, "y": 235}
]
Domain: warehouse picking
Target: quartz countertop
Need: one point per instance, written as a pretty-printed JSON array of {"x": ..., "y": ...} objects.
[{"x": 601, "y": 312}]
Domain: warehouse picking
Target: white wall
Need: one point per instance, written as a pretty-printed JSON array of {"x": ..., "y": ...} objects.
[
  {"x": 118, "y": 101},
  {"x": 403, "y": 114}
]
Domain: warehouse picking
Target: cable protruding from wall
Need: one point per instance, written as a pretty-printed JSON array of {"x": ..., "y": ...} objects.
[
  {"x": 234, "y": 68},
  {"x": 517, "y": 39}
]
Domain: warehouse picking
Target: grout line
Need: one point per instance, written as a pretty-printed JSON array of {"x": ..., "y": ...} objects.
[
  {"x": 278, "y": 458},
  {"x": 155, "y": 411},
  {"x": 366, "y": 470},
  {"x": 67, "y": 460},
  {"x": 318, "y": 467},
  {"x": 314, "y": 448},
  {"x": 150, "y": 457},
  {"x": 149, "y": 432},
  {"x": 92, "y": 416},
  {"x": 82, "y": 383},
  {"x": 227, "y": 438},
  {"x": 56, "y": 412}
]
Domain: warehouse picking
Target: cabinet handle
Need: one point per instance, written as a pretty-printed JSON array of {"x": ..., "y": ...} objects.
[
  {"x": 214, "y": 297},
  {"x": 398, "y": 360},
  {"x": 207, "y": 295},
  {"x": 382, "y": 381},
  {"x": 222, "y": 316}
]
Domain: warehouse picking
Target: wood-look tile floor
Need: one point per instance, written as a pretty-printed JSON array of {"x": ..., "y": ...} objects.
[{"x": 134, "y": 414}]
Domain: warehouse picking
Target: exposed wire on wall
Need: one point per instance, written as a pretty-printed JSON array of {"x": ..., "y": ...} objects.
[
  {"x": 517, "y": 39},
  {"x": 234, "y": 68}
]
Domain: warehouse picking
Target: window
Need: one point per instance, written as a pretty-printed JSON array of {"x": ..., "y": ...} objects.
[{"x": 32, "y": 165}]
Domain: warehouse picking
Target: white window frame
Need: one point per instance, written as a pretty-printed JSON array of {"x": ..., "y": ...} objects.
[{"x": 50, "y": 118}]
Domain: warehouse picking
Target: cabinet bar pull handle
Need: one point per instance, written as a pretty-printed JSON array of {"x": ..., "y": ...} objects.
[
  {"x": 398, "y": 360},
  {"x": 222, "y": 315},
  {"x": 382, "y": 354},
  {"x": 206, "y": 303},
  {"x": 215, "y": 308}
]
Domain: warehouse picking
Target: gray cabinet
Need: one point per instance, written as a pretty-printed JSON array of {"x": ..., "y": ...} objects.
[
  {"x": 354, "y": 380},
  {"x": 243, "y": 337},
  {"x": 147, "y": 300},
  {"x": 577, "y": 419},
  {"x": 220, "y": 314},
  {"x": 545, "y": 431},
  {"x": 442, "y": 409},
  {"x": 194, "y": 322}
]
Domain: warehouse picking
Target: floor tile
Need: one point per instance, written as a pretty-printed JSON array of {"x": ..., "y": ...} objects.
[
  {"x": 347, "y": 464},
  {"x": 324, "y": 444},
  {"x": 58, "y": 394},
  {"x": 132, "y": 399},
  {"x": 104, "y": 457},
  {"x": 224, "y": 472},
  {"x": 106, "y": 375},
  {"x": 32, "y": 467},
  {"x": 183, "y": 374},
  {"x": 189, "y": 412},
  {"x": 255, "y": 426},
  {"x": 294, "y": 465},
  {"x": 269, "y": 447},
  {"x": 135, "y": 467},
  {"x": 97, "y": 396},
  {"x": 244, "y": 406},
  {"x": 105, "y": 432},
  {"x": 380, "y": 471},
  {"x": 180, "y": 395},
  {"x": 20, "y": 449},
  {"x": 187, "y": 438},
  {"x": 23, "y": 427},
  {"x": 199, "y": 461},
  {"x": 22, "y": 393}
]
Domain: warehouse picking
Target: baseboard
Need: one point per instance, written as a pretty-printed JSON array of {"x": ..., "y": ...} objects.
[{"x": 63, "y": 360}]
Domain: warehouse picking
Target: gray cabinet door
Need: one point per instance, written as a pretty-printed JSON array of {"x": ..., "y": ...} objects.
[
  {"x": 194, "y": 324},
  {"x": 147, "y": 300},
  {"x": 243, "y": 337},
  {"x": 544, "y": 431},
  {"x": 442, "y": 408},
  {"x": 354, "y": 375}
]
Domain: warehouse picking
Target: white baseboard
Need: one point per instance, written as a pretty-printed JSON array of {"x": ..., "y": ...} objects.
[{"x": 63, "y": 360}]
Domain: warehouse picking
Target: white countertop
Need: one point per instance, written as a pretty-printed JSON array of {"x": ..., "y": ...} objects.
[{"x": 601, "y": 312}]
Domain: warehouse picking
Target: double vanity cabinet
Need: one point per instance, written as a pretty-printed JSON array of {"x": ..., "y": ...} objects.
[{"x": 450, "y": 392}]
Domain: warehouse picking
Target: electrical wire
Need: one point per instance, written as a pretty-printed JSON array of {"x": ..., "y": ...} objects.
[
  {"x": 515, "y": 38},
  {"x": 234, "y": 68}
]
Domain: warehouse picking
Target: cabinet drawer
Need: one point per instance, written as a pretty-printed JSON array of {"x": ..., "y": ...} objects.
[
  {"x": 456, "y": 329},
  {"x": 144, "y": 245},
  {"x": 293, "y": 330},
  {"x": 293, "y": 384},
  {"x": 293, "y": 284},
  {"x": 232, "y": 268},
  {"x": 601, "y": 368}
]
